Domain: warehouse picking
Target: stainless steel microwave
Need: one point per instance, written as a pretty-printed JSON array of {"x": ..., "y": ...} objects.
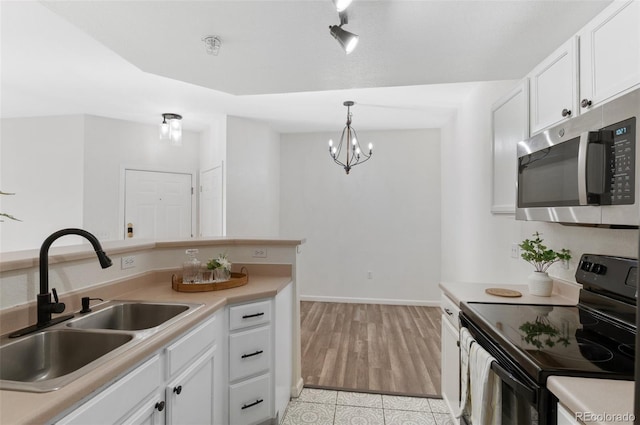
[{"x": 583, "y": 171}]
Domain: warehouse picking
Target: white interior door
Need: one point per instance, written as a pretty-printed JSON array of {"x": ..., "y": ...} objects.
[
  {"x": 211, "y": 202},
  {"x": 157, "y": 204}
]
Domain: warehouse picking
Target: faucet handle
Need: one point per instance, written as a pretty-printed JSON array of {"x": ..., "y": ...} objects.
[
  {"x": 55, "y": 295},
  {"x": 57, "y": 306}
]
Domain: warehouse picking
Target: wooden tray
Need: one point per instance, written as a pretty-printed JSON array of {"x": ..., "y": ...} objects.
[
  {"x": 500, "y": 292},
  {"x": 237, "y": 279}
]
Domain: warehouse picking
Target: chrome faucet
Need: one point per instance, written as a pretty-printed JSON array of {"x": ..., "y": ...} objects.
[{"x": 45, "y": 306}]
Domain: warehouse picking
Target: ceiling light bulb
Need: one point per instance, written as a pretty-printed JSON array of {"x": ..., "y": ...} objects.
[
  {"x": 330, "y": 142},
  {"x": 347, "y": 40},
  {"x": 355, "y": 141},
  {"x": 370, "y": 146},
  {"x": 164, "y": 130},
  {"x": 357, "y": 151},
  {"x": 341, "y": 5}
]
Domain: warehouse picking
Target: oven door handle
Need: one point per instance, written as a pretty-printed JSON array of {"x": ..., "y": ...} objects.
[{"x": 518, "y": 387}]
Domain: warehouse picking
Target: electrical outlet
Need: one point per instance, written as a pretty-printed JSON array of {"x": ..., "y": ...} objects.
[
  {"x": 515, "y": 250},
  {"x": 128, "y": 262},
  {"x": 259, "y": 253}
]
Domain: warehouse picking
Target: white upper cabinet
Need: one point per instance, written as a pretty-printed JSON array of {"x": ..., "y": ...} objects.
[
  {"x": 554, "y": 88},
  {"x": 610, "y": 53},
  {"x": 510, "y": 125}
]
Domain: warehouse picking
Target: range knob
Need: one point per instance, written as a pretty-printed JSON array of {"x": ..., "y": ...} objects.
[
  {"x": 599, "y": 269},
  {"x": 586, "y": 266}
]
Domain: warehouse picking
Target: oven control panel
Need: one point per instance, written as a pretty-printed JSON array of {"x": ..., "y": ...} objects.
[{"x": 615, "y": 276}]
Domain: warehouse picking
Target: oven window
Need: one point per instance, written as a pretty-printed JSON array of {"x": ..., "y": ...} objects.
[
  {"x": 549, "y": 177},
  {"x": 516, "y": 410}
]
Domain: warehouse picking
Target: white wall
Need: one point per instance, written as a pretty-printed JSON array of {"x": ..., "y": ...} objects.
[
  {"x": 476, "y": 245},
  {"x": 383, "y": 217},
  {"x": 213, "y": 153},
  {"x": 253, "y": 179},
  {"x": 66, "y": 172},
  {"x": 41, "y": 160},
  {"x": 111, "y": 144}
]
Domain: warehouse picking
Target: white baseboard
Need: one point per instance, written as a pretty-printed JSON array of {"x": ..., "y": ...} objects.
[{"x": 425, "y": 303}]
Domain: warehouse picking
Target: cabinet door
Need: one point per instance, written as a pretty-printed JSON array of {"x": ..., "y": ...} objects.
[
  {"x": 125, "y": 395},
  {"x": 554, "y": 88},
  {"x": 150, "y": 412},
  {"x": 190, "y": 397},
  {"x": 610, "y": 53},
  {"x": 510, "y": 124},
  {"x": 450, "y": 366}
]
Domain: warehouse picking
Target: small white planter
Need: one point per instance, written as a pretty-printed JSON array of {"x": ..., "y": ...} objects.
[{"x": 540, "y": 284}]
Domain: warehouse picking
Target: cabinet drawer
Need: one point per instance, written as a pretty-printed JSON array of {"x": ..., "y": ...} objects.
[
  {"x": 245, "y": 315},
  {"x": 249, "y": 352},
  {"x": 112, "y": 404},
  {"x": 450, "y": 310},
  {"x": 181, "y": 352},
  {"x": 250, "y": 401}
]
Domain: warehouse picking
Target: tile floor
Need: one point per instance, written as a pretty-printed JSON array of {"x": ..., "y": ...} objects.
[{"x": 324, "y": 407}]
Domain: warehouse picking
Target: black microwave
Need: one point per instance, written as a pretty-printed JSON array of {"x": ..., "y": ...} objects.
[{"x": 583, "y": 171}]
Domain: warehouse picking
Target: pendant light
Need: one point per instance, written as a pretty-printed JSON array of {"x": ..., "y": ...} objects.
[{"x": 354, "y": 154}]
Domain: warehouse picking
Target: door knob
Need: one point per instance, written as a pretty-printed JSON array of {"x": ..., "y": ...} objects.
[
  {"x": 566, "y": 112},
  {"x": 585, "y": 103},
  {"x": 178, "y": 389},
  {"x": 160, "y": 406}
]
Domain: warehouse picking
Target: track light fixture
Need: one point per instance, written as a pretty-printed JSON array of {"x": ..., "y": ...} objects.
[{"x": 347, "y": 40}]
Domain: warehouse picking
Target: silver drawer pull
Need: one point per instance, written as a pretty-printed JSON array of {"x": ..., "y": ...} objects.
[
  {"x": 449, "y": 312},
  {"x": 246, "y": 406},
  {"x": 248, "y": 316},
  {"x": 244, "y": 356}
]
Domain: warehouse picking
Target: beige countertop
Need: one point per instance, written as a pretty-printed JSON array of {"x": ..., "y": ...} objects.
[
  {"x": 564, "y": 293},
  {"x": 18, "y": 407},
  {"x": 595, "y": 401}
]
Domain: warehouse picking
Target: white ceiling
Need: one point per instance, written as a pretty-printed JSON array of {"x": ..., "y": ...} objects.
[{"x": 137, "y": 59}]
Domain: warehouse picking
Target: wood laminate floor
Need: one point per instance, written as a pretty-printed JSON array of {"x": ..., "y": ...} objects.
[{"x": 389, "y": 349}]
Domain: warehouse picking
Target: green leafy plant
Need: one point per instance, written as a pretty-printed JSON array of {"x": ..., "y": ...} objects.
[
  {"x": 221, "y": 261},
  {"x": 541, "y": 333},
  {"x": 537, "y": 254},
  {"x": 4, "y": 214}
]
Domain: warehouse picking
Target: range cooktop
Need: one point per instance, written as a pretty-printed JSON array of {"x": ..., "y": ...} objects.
[{"x": 558, "y": 340}]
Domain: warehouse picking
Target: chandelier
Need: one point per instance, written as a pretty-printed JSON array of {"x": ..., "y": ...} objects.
[{"x": 354, "y": 154}]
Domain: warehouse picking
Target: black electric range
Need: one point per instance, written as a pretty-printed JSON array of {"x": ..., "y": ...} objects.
[{"x": 531, "y": 342}]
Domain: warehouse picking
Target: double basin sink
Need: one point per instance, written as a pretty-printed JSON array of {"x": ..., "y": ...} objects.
[{"x": 53, "y": 357}]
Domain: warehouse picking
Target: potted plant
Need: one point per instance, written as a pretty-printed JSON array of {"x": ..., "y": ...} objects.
[
  {"x": 221, "y": 267},
  {"x": 537, "y": 254}
]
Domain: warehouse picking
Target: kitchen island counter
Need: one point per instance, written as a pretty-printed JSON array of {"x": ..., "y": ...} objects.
[{"x": 18, "y": 407}]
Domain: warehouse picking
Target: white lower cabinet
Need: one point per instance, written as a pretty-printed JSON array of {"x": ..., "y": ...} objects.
[
  {"x": 450, "y": 366},
  {"x": 251, "y": 385},
  {"x": 223, "y": 372},
  {"x": 189, "y": 370},
  {"x": 250, "y": 400},
  {"x": 189, "y": 397},
  {"x": 565, "y": 417},
  {"x": 125, "y": 395}
]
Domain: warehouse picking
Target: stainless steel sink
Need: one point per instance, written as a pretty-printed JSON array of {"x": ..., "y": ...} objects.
[
  {"x": 130, "y": 316},
  {"x": 46, "y": 360},
  {"x": 51, "y": 358}
]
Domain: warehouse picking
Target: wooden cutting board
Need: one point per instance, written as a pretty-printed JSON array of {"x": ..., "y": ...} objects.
[{"x": 500, "y": 292}]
